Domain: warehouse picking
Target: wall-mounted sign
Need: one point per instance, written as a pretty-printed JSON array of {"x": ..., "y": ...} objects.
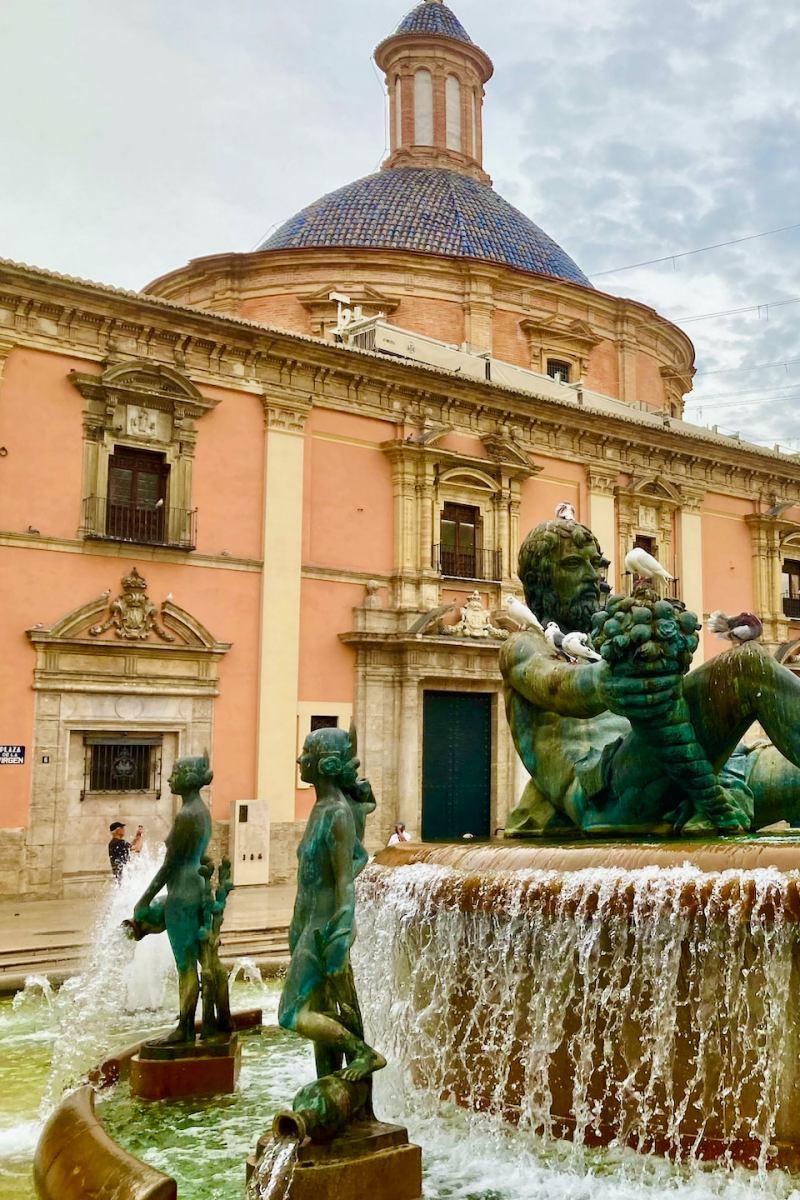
[{"x": 12, "y": 756}]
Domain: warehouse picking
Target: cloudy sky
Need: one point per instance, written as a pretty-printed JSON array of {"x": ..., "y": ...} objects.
[{"x": 139, "y": 135}]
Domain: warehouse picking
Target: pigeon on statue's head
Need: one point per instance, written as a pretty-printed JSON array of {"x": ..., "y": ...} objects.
[{"x": 565, "y": 511}]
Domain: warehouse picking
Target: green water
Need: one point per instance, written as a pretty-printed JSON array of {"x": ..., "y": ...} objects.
[
  {"x": 26, "y": 1044},
  {"x": 204, "y": 1144}
]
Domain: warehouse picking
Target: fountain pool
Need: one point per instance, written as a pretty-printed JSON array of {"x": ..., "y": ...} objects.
[{"x": 466, "y": 1156}]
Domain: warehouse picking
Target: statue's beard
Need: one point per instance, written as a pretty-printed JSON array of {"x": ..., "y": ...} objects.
[{"x": 576, "y": 616}]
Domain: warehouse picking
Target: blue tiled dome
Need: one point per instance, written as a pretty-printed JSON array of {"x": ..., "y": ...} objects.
[
  {"x": 427, "y": 211},
  {"x": 433, "y": 18}
]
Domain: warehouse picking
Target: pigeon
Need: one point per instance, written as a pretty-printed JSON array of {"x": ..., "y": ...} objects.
[
  {"x": 744, "y": 627},
  {"x": 554, "y": 636},
  {"x": 523, "y": 616},
  {"x": 565, "y": 511},
  {"x": 576, "y": 645},
  {"x": 639, "y": 562},
  {"x": 778, "y": 509}
]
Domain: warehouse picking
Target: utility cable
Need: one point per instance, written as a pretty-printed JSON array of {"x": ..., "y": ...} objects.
[{"x": 651, "y": 262}]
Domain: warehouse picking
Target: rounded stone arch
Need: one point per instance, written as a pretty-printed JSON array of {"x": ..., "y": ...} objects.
[
  {"x": 162, "y": 380},
  {"x": 654, "y": 488},
  {"x": 468, "y": 477}
]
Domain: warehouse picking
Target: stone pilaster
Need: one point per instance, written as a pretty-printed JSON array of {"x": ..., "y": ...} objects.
[
  {"x": 280, "y": 606},
  {"x": 767, "y": 558},
  {"x": 601, "y": 484}
]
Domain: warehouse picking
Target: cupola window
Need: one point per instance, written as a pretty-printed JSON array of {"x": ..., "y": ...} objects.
[
  {"x": 453, "y": 112},
  {"x": 423, "y": 108},
  {"x": 398, "y": 112}
]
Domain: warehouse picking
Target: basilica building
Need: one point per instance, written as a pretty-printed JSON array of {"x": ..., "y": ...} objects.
[{"x": 285, "y": 489}]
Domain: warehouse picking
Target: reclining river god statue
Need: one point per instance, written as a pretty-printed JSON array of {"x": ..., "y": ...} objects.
[{"x": 637, "y": 743}]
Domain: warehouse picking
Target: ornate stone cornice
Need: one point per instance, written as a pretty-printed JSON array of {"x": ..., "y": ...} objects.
[
  {"x": 87, "y": 321},
  {"x": 601, "y": 482},
  {"x": 283, "y": 417}
]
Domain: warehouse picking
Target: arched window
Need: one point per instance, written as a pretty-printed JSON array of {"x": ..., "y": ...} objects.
[
  {"x": 423, "y": 109},
  {"x": 398, "y": 112},
  {"x": 453, "y": 112},
  {"x": 475, "y": 111}
]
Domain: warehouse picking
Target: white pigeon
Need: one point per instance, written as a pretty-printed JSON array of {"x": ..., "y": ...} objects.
[
  {"x": 554, "y": 635},
  {"x": 523, "y": 616},
  {"x": 576, "y": 645},
  {"x": 565, "y": 511},
  {"x": 639, "y": 562}
]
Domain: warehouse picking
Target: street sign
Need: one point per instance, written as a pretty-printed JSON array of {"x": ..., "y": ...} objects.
[{"x": 12, "y": 756}]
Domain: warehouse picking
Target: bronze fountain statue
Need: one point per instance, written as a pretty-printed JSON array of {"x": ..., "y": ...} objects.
[
  {"x": 637, "y": 743},
  {"x": 192, "y": 917}
]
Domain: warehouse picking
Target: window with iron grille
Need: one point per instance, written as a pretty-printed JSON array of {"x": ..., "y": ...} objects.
[
  {"x": 324, "y": 722},
  {"x": 122, "y": 763},
  {"x": 558, "y": 369}
]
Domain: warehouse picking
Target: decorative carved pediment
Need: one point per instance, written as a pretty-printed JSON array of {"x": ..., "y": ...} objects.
[
  {"x": 144, "y": 384},
  {"x": 131, "y": 617},
  {"x": 559, "y": 331},
  {"x": 504, "y": 450},
  {"x": 651, "y": 489},
  {"x": 370, "y": 299}
]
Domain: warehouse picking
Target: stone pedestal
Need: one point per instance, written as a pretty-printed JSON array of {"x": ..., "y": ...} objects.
[
  {"x": 181, "y": 1072},
  {"x": 369, "y": 1159}
]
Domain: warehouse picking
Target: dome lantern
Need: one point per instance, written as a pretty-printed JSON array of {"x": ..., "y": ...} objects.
[{"x": 434, "y": 76}]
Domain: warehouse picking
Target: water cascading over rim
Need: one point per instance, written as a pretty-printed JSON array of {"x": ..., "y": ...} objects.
[{"x": 653, "y": 1007}]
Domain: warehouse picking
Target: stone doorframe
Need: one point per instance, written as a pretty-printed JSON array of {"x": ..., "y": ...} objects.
[
  {"x": 109, "y": 681},
  {"x": 393, "y": 670}
]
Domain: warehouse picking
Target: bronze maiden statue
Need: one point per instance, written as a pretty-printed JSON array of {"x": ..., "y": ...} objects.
[
  {"x": 637, "y": 743},
  {"x": 319, "y": 998},
  {"x": 192, "y": 913}
]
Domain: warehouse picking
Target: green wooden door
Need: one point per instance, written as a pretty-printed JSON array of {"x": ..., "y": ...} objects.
[{"x": 456, "y": 765}]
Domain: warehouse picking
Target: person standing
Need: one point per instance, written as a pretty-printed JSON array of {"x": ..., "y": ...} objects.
[{"x": 119, "y": 851}]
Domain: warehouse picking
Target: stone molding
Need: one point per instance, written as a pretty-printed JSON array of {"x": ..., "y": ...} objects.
[
  {"x": 285, "y": 418},
  {"x": 60, "y": 315},
  {"x": 87, "y": 683},
  {"x": 140, "y": 404}
]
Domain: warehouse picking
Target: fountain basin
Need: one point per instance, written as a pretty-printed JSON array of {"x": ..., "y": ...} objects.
[
  {"x": 75, "y": 1156},
  {"x": 612, "y": 993}
]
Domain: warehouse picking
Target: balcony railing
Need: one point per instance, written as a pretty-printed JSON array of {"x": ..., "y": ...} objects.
[
  {"x": 467, "y": 564},
  {"x": 144, "y": 524},
  {"x": 791, "y": 607}
]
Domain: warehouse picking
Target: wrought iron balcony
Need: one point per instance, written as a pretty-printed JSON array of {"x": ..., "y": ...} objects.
[
  {"x": 467, "y": 564},
  {"x": 144, "y": 524},
  {"x": 791, "y": 607}
]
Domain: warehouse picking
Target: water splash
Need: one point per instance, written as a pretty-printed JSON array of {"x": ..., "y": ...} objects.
[
  {"x": 94, "y": 1011},
  {"x": 36, "y": 989},
  {"x": 651, "y": 1008},
  {"x": 246, "y": 969},
  {"x": 273, "y": 1174}
]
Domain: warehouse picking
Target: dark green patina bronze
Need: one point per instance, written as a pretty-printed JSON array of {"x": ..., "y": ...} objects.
[
  {"x": 193, "y": 911},
  {"x": 319, "y": 998},
  {"x": 637, "y": 743}
]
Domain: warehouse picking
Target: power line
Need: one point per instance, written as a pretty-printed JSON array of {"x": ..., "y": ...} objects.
[
  {"x": 733, "y": 312},
  {"x": 650, "y": 262},
  {"x": 779, "y": 362},
  {"x": 729, "y": 404}
]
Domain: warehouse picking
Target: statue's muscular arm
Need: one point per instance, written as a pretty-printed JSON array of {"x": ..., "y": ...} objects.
[
  {"x": 579, "y": 690},
  {"x": 549, "y": 683}
]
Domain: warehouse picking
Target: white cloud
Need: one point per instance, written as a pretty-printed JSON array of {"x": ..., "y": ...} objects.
[{"x": 147, "y": 134}]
